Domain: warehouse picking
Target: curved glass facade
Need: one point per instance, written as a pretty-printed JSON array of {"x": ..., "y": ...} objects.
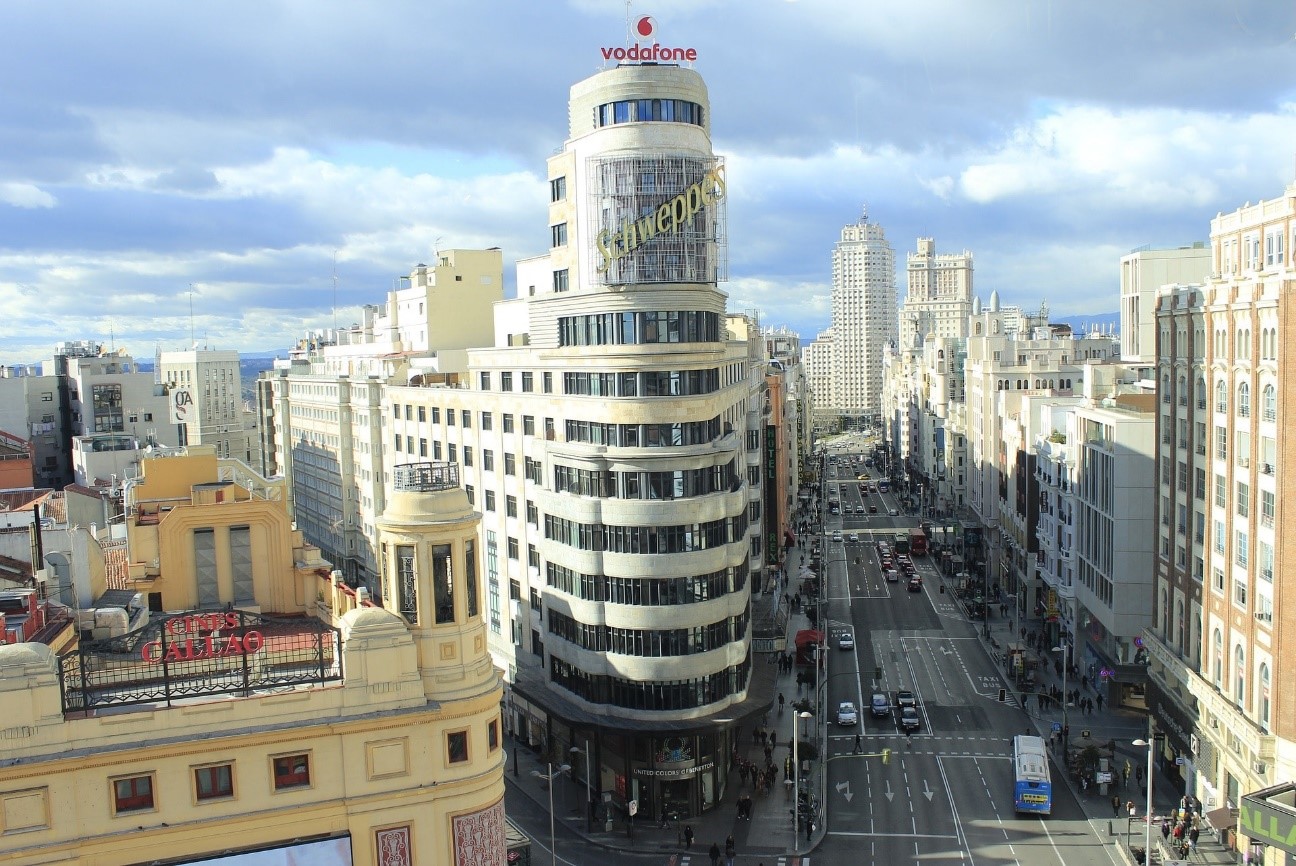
[{"x": 647, "y": 111}]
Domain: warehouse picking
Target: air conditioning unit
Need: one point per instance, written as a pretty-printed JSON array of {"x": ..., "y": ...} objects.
[
  {"x": 1260, "y": 768},
  {"x": 1264, "y": 616}
]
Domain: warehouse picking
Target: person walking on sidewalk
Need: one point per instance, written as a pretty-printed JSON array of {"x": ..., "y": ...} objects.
[
  {"x": 688, "y": 836},
  {"x": 730, "y": 851},
  {"x": 1115, "y": 805},
  {"x": 715, "y": 854}
]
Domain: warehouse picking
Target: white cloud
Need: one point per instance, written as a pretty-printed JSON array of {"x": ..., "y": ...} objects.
[{"x": 26, "y": 195}]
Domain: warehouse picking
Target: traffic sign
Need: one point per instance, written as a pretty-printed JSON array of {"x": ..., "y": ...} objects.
[{"x": 1057, "y": 727}]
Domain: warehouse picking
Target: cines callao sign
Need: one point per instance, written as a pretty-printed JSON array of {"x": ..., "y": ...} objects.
[{"x": 666, "y": 220}]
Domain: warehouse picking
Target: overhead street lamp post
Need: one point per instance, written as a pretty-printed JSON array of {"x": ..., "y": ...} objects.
[
  {"x": 796, "y": 775},
  {"x": 1066, "y": 658},
  {"x": 1147, "y": 836},
  {"x": 549, "y": 777}
]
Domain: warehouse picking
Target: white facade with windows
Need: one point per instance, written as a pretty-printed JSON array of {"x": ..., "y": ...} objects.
[{"x": 863, "y": 318}]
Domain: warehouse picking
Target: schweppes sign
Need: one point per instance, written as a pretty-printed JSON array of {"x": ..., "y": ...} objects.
[{"x": 668, "y": 219}]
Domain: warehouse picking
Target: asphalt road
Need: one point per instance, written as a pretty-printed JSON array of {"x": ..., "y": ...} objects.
[{"x": 946, "y": 795}]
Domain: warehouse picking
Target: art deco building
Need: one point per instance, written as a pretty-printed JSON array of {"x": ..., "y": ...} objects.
[
  {"x": 273, "y": 710},
  {"x": 939, "y": 295},
  {"x": 1222, "y": 565},
  {"x": 613, "y": 439},
  {"x": 863, "y": 317}
]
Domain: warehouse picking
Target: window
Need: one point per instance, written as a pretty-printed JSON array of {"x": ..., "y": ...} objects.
[
  {"x": 558, "y": 235},
  {"x": 490, "y": 500},
  {"x": 1218, "y": 649},
  {"x": 1221, "y": 491},
  {"x": 452, "y": 452},
  {"x": 422, "y": 413},
  {"x": 548, "y": 382},
  {"x": 291, "y": 771},
  {"x": 1244, "y": 400},
  {"x": 443, "y": 584},
  {"x": 422, "y": 447},
  {"x": 1265, "y": 701},
  {"x": 528, "y": 382},
  {"x": 487, "y": 421},
  {"x": 1243, "y": 499},
  {"x": 483, "y": 379},
  {"x": 488, "y": 460},
  {"x": 510, "y": 463},
  {"x": 1269, "y": 396},
  {"x": 214, "y": 782},
  {"x": 457, "y": 747},
  {"x": 514, "y": 549},
  {"x": 492, "y": 734},
  {"x": 468, "y": 455},
  {"x": 510, "y": 506},
  {"x": 558, "y": 189},
  {"x": 506, "y": 381},
  {"x": 1239, "y": 674},
  {"x": 508, "y": 422},
  {"x": 528, "y": 425},
  {"x": 560, "y": 280},
  {"x": 1221, "y": 396},
  {"x": 1240, "y": 555},
  {"x": 436, "y": 414},
  {"x": 1266, "y": 508},
  {"x": 465, "y": 418},
  {"x": 1221, "y": 443},
  {"x": 132, "y": 794}
]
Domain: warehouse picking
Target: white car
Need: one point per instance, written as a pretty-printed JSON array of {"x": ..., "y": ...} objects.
[
  {"x": 846, "y": 641},
  {"x": 854, "y": 536},
  {"x": 847, "y": 715},
  {"x": 894, "y": 512},
  {"x": 837, "y": 535}
]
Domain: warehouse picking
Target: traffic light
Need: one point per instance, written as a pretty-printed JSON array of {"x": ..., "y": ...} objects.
[{"x": 886, "y": 756}]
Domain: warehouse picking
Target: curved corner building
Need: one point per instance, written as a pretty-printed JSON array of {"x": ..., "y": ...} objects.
[{"x": 645, "y": 547}]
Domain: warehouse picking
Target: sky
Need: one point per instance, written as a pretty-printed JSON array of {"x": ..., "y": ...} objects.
[{"x": 238, "y": 173}]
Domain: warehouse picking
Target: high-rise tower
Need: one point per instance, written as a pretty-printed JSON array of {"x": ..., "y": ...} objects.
[{"x": 863, "y": 317}]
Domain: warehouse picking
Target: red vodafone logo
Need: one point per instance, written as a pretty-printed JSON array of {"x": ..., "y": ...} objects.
[{"x": 646, "y": 27}]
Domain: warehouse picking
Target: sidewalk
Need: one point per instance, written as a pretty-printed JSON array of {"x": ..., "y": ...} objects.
[
  {"x": 767, "y": 834},
  {"x": 1120, "y": 724}
]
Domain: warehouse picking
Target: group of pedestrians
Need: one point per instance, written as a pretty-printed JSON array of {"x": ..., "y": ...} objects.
[{"x": 1181, "y": 831}]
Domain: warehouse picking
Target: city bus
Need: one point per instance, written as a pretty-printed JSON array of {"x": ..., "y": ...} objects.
[
  {"x": 917, "y": 542},
  {"x": 1032, "y": 790},
  {"x": 901, "y": 542}
]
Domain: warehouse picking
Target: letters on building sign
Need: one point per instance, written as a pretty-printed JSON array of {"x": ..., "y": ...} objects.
[
  {"x": 666, "y": 220},
  {"x": 188, "y": 642}
]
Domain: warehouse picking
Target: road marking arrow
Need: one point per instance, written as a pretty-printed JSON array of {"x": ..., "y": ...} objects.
[
  {"x": 890, "y": 796},
  {"x": 846, "y": 792},
  {"x": 947, "y": 651},
  {"x": 928, "y": 792}
]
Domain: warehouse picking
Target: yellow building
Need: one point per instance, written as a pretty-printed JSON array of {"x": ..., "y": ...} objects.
[{"x": 302, "y": 719}]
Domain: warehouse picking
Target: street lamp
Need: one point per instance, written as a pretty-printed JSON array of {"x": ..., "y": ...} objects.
[
  {"x": 589, "y": 791},
  {"x": 1147, "y": 838},
  {"x": 549, "y": 777},
  {"x": 1065, "y": 697},
  {"x": 796, "y": 775}
]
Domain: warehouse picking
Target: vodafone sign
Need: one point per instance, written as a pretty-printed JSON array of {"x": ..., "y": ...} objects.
[{"x": 646, "y": 28}]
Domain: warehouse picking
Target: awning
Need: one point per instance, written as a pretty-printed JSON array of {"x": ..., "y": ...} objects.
[{"x": 1222, "y": 819}]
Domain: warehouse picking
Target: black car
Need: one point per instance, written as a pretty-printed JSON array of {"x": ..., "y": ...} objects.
[{"x": 905, "y": 698}]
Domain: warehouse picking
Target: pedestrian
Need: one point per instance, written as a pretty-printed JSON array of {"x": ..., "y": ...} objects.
[
  {"x": 1100, "y": 700},
  {"x": 1130, "y": 806},
  {"x": 731, "y": 850},
  {"x": 715, "y": 854},
  {"x": 688, "y": 836},
  {"x": 1165, "y": 828},
  {"x": 857, "y": 745},
  {"x": 1115, "y": 805},
  {"x": 1192, "y": 838}
]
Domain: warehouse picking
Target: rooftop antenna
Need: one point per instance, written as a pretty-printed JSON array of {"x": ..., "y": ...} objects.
[
  {"x": 335, "y": 290},
  {"x": 630, "y": 40},
  {"x": 191, "y": 319},
  {"x": 112, "y": 338}
]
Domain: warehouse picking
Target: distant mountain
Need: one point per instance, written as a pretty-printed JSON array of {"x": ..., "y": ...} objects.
[{"x": 1085, "y": 324}]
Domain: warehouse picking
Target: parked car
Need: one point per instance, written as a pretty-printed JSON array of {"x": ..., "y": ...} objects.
[
  {"x": 880, "y": 706},
  {"x": 847, "y": 714}
]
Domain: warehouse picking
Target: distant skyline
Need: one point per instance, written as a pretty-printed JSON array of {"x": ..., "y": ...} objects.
[{"x": 237, "y": 150}]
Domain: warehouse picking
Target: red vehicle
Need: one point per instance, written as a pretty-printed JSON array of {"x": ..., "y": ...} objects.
[{"x": 917, "y": 542}]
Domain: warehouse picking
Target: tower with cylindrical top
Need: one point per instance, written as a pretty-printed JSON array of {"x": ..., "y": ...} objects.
[{"x": 427, "y": 542}]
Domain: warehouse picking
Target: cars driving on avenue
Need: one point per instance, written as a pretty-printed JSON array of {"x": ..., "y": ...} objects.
[
  {"x": 880, "y": 706},
  {"x": 846, "y": 641},
  {"x": 847, "y": 714}
]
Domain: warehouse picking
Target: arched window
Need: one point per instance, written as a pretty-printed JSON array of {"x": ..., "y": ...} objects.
[
  {"x": 1264, "y": 707},
  {"x": 978, "y": 329},
  {"x": 1221, "y": 396},
  {"x": 1270, "y": 398},
  {"x": 1244, "y": 400},
  {"x": 1182, "y": 390},
  {"x": 1218, "y": 643},
  {"x": 1201, "y": 393},
  {"x": 1239, "y": 674},
  {"x": 996, "y": 326},
  {"x": 1163, "y": 613}
]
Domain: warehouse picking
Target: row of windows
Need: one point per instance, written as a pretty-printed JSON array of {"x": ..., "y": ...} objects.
[
  {"x": 652, "y": 383},
  {"x": 646, "y": 110},
  {"x": 649, "y": 643},
  {"x": 641, "y": 695},
  {"x": 647, "y": 590},
  {"x": 643, "y": 435},
  {"x": 676, "y": 484},
  {"x": 685, "y": 538},
  {"x": 612, "y": 329}
]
